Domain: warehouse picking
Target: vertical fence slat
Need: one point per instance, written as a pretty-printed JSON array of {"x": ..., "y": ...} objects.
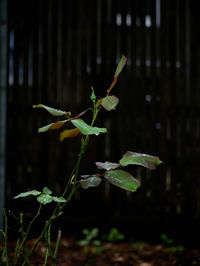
[{"x": 3, "y": 104}]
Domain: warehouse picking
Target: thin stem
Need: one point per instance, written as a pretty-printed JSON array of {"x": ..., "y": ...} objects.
[
  {"x": 5, "y": 234},
  {"x": 16, "y": 252},
  {"x": 57, "y": 247},
  {"x": 39, "y": 238},
  {"x": 27, "y": 232},
  {"x": 75, "y": 171},
  {"x": 48, "y": 241},
  {"x": 24, "y": 237}
]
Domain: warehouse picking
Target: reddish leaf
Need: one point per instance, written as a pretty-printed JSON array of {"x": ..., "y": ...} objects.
[
  {"x": 99, "y": 102},
  {"x": 51, "y": 126},
  {"x": 91, "y": 181},
  {"x": 144, "y": 160},
  {"x": 81, "y": 114},
  {"x": 118, "y": 71},
  {"x": 57, "y": 125},
  {"x": 107, "y": 165},
  {"x": 69, "y": 133}
]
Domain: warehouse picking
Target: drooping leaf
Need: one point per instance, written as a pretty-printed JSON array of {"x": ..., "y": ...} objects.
[
  {"x": 117, "y": 72},
  {"x": 46, "y": 190},
  {"x": 52, "y": 111},
  {"x": 110, "y": 102},
  {"x": 69, "y": 133},
  {"x": 59, "y": 199},
  {"x": 28, "y": 193},
  {"x": 85, "y": 176},
  {"x": 52, "y": 126},
  {"x": 107, "y": 165},
  {"x": 144, "y": 160},
  {"x": 44, "y": 198},
  {"x": 92, "y": 181},
  {"x": 122, "y": 179},
  {"x": 85, "y": 129}
]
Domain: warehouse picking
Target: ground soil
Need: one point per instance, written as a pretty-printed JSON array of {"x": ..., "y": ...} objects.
[{"x": 118, "y": 254}]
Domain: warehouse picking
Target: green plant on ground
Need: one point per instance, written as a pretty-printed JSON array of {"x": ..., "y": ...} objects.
[
  {"x": 166, "y": 239},
  {"x": 91, "y": 237},
  {"x": 113, "y": 236},
  {"x": 169, "y": 243},
  {"x": 113, "y": 172}
]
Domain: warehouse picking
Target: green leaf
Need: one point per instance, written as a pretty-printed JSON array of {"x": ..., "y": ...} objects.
[
  {"x": 46, "y": 190},
  {"x": 122, "y": 179},
  {"x": 117, "y": 72},
  {"x": 28, "y": 193},
  {"x": 60, "y": 199},
  {"x": 52, "y": 126},
  {"x": 107, "y": 165},
  {"x": 120, "y": 66},
  {"x": 92, "y": 181},
  {"x": 85, "y": 129},
  {"x": 144, "y": 160},
  {"x": 110, "y": 102},
  {"x": 52, "y": 111},
  {"x": 83, "y": 242},
  {"x": 44, "y": 198}
]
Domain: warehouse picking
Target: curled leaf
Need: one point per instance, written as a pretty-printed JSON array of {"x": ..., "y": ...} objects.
[
  {"x": 28, "y": 193},
  {"x": 52, "y": 126},
  {"x": 107, "y": 165},
  {"x": 69, "y": 133},
  {"x": 52, "y": 111},
  {"x": 91, "y": 181},
  {"x": 122, "y": 179},
  {"x": 110, "y": 102},
  {"x": 144, "y": 160},
  {"x": 117, "y": 72},
  {"x": 85, "y": 129},
  {"x": 59, "y": 199}
]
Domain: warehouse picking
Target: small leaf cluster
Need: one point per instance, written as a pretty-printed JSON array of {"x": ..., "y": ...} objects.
[
  {"x": 119, "y": 177},
  {"x": 81, "y": 127},
  {"x": 43, "y": 197},
  {"x": 113, "y": 236},
  {"x": 90, "y": 237}
]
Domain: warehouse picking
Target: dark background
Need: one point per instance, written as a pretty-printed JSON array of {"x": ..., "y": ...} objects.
[{"x": 57, "y": 49}]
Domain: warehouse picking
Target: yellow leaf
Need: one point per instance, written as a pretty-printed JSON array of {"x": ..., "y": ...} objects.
[
  {"x": 69, "y": 133},
  {"x": 58, "y": 125}
]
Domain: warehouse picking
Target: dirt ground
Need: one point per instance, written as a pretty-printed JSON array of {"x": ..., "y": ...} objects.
[{"x": 108, "y": 254}]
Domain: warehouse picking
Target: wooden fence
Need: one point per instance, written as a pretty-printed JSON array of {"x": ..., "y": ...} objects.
[{"x": 57, "y": 50}]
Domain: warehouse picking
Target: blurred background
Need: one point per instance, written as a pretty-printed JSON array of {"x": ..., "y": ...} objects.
[{"x": 51, "y": 52}]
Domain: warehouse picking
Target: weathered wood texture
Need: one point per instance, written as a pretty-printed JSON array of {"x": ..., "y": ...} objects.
[{"x": 57, "y": 50}]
